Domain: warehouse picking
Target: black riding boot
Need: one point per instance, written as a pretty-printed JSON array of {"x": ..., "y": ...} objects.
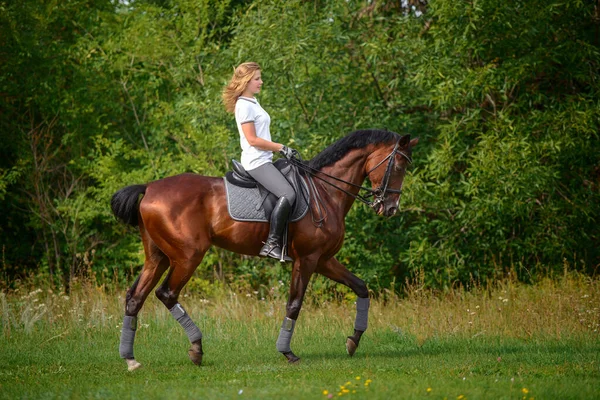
[{"x": 279, "y": 217}]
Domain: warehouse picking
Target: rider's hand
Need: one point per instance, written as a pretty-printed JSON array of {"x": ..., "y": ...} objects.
[{"x": 288, "y": 152}]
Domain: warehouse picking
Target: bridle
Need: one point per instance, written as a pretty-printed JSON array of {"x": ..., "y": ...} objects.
[
  {"x": 378, "y": 194},
  {"x": 381, "y": 191}
]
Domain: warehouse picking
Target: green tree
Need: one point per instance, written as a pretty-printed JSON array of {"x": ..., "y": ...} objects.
[{"x": 42, "y": 127}]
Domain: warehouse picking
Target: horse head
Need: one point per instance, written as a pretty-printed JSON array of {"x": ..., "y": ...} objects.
[{"x": 386, "y": 168}]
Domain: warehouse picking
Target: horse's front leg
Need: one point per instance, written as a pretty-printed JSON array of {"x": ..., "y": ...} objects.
[
  {"x": 335, "y": 271},
  {"x": 301, "y": 273}
]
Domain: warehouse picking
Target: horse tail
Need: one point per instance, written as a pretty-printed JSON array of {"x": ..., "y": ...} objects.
[{"x": 125, "y": 204}]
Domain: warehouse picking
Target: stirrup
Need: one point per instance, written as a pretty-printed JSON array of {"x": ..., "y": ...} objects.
[
  {"x": 284, "y": 257},
  {"x": 268, "y": 251}
]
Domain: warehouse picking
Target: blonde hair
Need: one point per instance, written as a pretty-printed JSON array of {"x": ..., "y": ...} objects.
[{"x": 238, "y": 83}]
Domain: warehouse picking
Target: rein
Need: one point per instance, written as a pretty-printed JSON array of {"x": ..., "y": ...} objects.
[{"x": 378, "y": 194}]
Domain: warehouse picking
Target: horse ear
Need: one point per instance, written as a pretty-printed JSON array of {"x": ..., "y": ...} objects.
[
  {"x": 404, "y": 141},
  {"x": 414, "y": 142}
]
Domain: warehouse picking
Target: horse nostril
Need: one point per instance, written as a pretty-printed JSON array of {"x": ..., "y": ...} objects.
[{"x": 392, "y": 211}]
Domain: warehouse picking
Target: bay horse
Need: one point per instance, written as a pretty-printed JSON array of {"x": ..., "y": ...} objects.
[{"x": 180, "y": 217}]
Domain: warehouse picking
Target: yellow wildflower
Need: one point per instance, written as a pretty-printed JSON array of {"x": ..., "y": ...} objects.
[
  {"x": 357, "y": 378},
  {"x": 428, "y": 390},
  {"x": 325, "y": 392},
  {"x": 525, "y": 390}
]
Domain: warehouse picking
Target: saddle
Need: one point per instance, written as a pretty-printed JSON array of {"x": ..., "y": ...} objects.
[{"x": 247, "y": 200}]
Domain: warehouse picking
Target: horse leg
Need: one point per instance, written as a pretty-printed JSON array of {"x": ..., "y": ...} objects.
[
  {"x": 155, "y": 265},
  {"x": 168, "y": 293},
  {"x": 301, "y": 273},
  {"x": 335, "y": 271}
]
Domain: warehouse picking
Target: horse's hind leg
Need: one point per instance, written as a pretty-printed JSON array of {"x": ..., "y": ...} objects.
[
  {"x": 155, "y": 265},
  {"x": 335, "y": 271},
  {"x": 168, "y": 293}
]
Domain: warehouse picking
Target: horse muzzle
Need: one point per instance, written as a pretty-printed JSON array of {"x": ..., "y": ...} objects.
[
  {"x": 386, "y": 211},
  {"x": 390, "y": 211}
]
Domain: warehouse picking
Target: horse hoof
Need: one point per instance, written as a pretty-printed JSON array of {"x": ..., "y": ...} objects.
[
  {"x": 351, "y": 346},
  {"x": 291, "y": 357},
  {"x": 195, "y": 356},
  {"x": 132, "y": 365}
]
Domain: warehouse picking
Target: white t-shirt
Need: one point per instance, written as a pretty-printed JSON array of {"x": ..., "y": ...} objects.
[{"x": 248, "y": 110}]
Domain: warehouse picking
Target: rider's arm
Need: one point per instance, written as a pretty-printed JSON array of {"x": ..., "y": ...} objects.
[{"x": 254, "y": 141}]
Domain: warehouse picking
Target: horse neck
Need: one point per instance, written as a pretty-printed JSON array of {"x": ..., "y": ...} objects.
[{"x": 350, "y": 168}]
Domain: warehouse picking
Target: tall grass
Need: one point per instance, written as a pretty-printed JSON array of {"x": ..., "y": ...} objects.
[{"x": 568, "y": 306}]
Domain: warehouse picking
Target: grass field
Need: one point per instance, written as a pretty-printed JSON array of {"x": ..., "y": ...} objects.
[{"x": 508, "y": 342}]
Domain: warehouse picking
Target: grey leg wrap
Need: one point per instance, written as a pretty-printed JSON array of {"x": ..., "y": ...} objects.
[
  {"x": 127, "y": 337},
  {"x": 285, "y": 335},
  {"x": 186, "y": 322},
  {"x": 362, "y": 314}
]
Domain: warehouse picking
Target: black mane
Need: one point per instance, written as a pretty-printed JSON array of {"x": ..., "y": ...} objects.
[{"x": 354, "y": 140}]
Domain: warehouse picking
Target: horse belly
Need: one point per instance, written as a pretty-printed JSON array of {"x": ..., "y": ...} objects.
[{"x": 242, "y": 237}]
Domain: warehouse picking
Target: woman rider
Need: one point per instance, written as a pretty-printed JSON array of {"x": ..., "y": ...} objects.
[{"x": 257, "y": 150}]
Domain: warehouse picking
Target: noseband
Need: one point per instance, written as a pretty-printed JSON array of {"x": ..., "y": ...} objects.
[{"x": 378, "y": 194}]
